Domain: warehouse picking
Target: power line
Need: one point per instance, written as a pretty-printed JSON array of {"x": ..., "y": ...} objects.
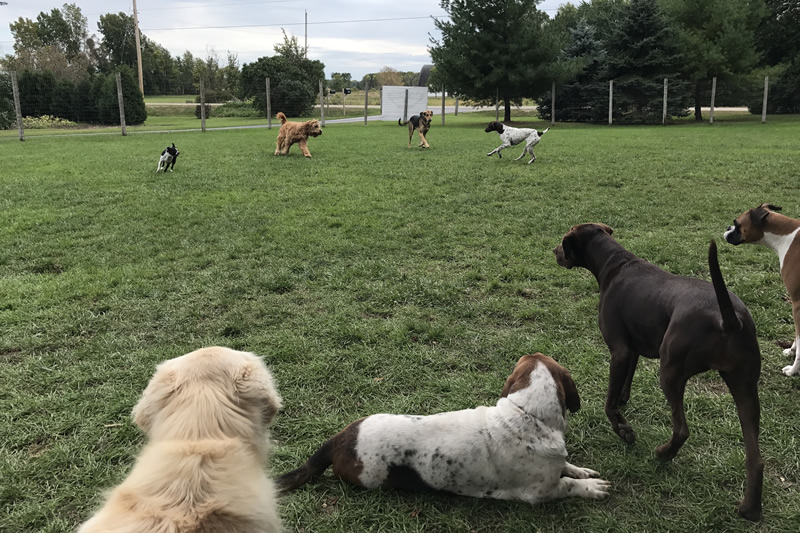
[
  {"x": 292, "y": 23},
  {"x": 202, "y": 6}
]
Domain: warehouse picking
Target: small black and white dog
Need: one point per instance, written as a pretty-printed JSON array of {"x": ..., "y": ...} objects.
[{"x": 168, "y": 157}]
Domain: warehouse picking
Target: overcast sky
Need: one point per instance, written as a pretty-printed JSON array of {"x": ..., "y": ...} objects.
[{"x": 250, "y": 28}]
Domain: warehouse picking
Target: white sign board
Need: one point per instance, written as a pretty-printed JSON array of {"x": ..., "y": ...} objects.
[{"x": 393, "y": 98}]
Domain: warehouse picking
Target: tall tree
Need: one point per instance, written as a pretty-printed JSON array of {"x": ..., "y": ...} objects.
[
  {"x": 119, "y": 41},
  {"x": 389, "y": 76},
  {"x": 491, "y": 47},
  {"x": 778, "y": 34},
  {"x": 294, "y": 79},
  {"x": 717, "y": 38},
  {"x": 641, "y": 52}
]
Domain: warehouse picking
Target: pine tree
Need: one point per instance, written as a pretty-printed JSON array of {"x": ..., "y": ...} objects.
[
  {"x": 490, "y": 48},
  {"x": 642, "y": 52}
]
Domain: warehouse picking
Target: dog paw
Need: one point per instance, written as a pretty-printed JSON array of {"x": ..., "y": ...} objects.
[
  {"x": 791, "y": 370},
  {"x": 585, "y": 473},
  {"x": 597, "y": 489},
  {"x": 626, "y": 433},
  {"x": 665, "y": 452},
  {"x": 789, "y": 352},
  {"x": 748, "y": 512}
]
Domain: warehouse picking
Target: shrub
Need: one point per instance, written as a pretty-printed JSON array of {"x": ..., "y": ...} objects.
[{"x": 46, "y": 122}]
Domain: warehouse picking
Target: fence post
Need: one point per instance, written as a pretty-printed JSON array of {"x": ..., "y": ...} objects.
[
  {"x": 366, "y": 101},
  {"x": 764, "y": 105},
  {"x": 713, "y": 97},
  {"x": 269, "y": 108},
  {"x": 321, "y": 105},
  {"x": 456, "y": 112},
  {"x": 553, "y": 105},
  {"x": 17, "y": 107},
  {"x": 121, "y": 105},
  {"x": 202, "y": 107},
  {"x": 405, "y": 108},
  {"x": 664, "y": 113},
  {"x": 497, "y": 105},
  {"x": 610, "y": 101},
  {"x": 442, "y": 105}
]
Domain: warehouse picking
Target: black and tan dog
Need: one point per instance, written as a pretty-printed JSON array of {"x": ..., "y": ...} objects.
[
  {"x": 421, "y": 122},
  {"x": 691, "y": 325}
]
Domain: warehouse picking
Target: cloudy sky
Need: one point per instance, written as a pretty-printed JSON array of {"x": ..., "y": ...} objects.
[{"x": 356, "y": 36}]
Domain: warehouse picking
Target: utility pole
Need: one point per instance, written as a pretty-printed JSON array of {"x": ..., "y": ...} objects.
[
  {"x": 306, "y": 45},
  {"x": 138, "y": 47}
]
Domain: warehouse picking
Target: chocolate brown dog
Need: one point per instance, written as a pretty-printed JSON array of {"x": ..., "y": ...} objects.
[
  {"x": 421, "y": 122},
  {"x": 689, "y": 324}
]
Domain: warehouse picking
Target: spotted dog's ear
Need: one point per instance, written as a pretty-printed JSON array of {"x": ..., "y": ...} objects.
[{"x": 567, "y": 387}]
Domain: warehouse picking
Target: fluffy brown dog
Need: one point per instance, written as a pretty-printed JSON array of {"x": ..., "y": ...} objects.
[
  {"x": 206, "y": 415},
  {"x": 295, "y": 132}
]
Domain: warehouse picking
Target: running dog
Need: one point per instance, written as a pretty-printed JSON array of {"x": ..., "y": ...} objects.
[
  {"x": 421, "y": 122},
  {"x": 295, "y": 132},
  {"x": 168, "y": 158},
  {"x": 514, "y": 136}
]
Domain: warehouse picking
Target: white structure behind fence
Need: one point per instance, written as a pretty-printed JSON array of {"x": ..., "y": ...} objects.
[{"x": 393, "y": 101}]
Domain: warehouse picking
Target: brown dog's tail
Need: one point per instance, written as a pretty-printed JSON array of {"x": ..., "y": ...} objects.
[
  {"x": 316, "y": 464},
  {"x": 281, "y": 117},
  {"x": 730, "y": 322},
  {"x": 401, "y": 123}
]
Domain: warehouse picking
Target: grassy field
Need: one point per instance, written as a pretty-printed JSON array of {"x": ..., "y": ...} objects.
[{"x": 374, "y": 278}]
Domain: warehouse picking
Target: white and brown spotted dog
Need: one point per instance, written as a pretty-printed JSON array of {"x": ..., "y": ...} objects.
[
  {"x": 762, "y": 225},
  {"x": 513, "y": 450},
  {"x": 514, "y": 136}
]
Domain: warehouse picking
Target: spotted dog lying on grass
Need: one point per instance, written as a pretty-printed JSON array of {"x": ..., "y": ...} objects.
[{"x": 512, "y": 451}]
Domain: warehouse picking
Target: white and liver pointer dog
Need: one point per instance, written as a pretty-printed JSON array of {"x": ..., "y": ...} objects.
[
  {"x": 762, "y": 225},
  {"x": 513, "y": 450},
  {"x": 514, "y": 136}
]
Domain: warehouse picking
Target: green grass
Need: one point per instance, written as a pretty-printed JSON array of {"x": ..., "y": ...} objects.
[
  {"x": 377, "y": 278},
  {"x": 170, "y": 99}
]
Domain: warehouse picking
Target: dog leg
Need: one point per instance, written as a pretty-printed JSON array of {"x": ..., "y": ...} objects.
[
  {"x": 794, "y": 368},
  {"x": 497, "y": 150},
  {"x": 596, "y": 489},
  {"x": 673, "y": 383},
  {"x": 533, "y": 157},
  {"x": 524, "y": 151},
  {"x": 577, "y": 472},
  {"x": 424, "y": 141},
  {"x": 626, "y": 388},
  {"x": 303, "y": 144},
  {"x": 410, "y": 133},
  {"x": 744, "y": 389},
  {"x": 792, "y": 349},
  {"x": 619, "y": 367}
]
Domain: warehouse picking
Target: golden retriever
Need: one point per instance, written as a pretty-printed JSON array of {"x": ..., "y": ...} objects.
[
  {"x": 206, "y": 415},
  {"x": 295, "y": 132}
]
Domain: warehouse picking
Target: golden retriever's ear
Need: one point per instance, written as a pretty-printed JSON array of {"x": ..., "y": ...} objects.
[
  {"x": 162, "y": 385},
  {"x": 256, "y": 384}
]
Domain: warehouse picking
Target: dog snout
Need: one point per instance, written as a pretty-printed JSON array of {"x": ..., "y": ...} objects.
[{"x": 732, "y": 236}]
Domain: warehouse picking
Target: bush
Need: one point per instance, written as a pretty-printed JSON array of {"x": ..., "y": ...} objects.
[
  {"x": 237, "y": 109},
  {"x": 46, "y": 122},
  {"x": 7, "y": 113},
  {"x": 784, "y": 92}
]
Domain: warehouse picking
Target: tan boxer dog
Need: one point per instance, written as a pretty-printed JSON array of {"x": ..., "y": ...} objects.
[{"x": 762, "y": 225}]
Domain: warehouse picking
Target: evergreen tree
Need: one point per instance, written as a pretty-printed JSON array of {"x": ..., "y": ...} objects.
[
  {"x": 717, "y": 38},
  {"x": 641, "y": 52},
  {"x": 7, "y": 112},
  {"x": 572, "y": 97},
  {"x": 490, "y": 48}
]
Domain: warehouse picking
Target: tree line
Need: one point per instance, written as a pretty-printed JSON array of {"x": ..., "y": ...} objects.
[{"x": 510, "y": 50}]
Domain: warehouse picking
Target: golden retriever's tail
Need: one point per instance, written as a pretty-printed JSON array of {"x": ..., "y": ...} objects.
[
  {"x": 316, "y": 464},
  {"x": 281, "y": 117}
]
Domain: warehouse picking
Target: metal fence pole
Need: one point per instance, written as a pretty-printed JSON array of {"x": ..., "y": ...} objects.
[
  {"x": 713, "y": 97},
  {"x": 553, "y": 105},
  {"x": 17, "y": 107},
  {"x": 269, "y": 108},
  {"x": 405, "y": 108},
  {"x": 442, "y": 105},
  {"x": 121, "y": 105},
  {"x": 366, "y": 101},
  {"x": 202, "y": 107},
  {"x": 610, "y": 101},
  {"x": 321, "y": 105},
  {"x": 664, "y": 113},
  {"x": 764, "y": 105}
]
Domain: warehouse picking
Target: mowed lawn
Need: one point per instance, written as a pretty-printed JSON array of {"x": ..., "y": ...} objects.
[{"x": 377, "y": 278}]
